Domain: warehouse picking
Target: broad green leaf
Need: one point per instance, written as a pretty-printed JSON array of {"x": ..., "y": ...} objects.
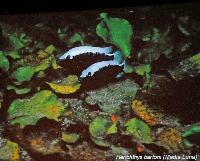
[
  {"x": 68, "y": 85},
  {"x": 16, "y": 42},
  {"x": 112, "y": 129},
  {"x": 13, "y": 54},
  {"x": 102, "y": 31},
  {"x": 195, "y": 62},
  {"x": 41, "y": 54},
  {"x": 4, "y": 63},
  {"x": 77, "y": 37},
  {"x": 46, "y": 63},
  {"x": 140, "y": 70},
  {"x": 28, "y": 111},
  {"x": 98, "y": 127},
  {"x": 187, "y": 143},
  {"x": 22, "y": 74},
  {"x": 70, "y": 138},
  {"x": 19, "y": 90},
  {"x": 100, "y": 142},
  {"x": 98, "y": 130},
  {"x": 195, "y": 129},
  {"x": 25, "y": 73},
  {"x": 10, "y": 151},
  {"x": 50, "y": 49},
  {"x": 116, "y": 31},
  {"x": 19, "y": 40},
  {"x": 129, "y": 68},
  {"x": 54, "y": 64},
  {"x": 143, "y": 69},
  {"x": 139, "y": 130}
]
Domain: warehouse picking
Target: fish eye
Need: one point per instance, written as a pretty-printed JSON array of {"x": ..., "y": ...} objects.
[{"x": 89, "y": 74}]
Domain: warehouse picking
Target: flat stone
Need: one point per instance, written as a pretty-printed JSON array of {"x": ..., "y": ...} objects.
[{"x": 111, "y": 98}]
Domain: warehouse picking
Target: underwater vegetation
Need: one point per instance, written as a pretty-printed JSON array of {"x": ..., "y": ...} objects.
[{"x": 89, "y": 88}]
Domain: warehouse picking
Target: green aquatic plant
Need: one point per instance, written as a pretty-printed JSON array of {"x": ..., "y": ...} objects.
[
  {"x": 68, "y": 85},
  {"x": 22, "y": 74},
  {"x": 28, "y": 111},
  {"x": 113, "y": 128},
  {"x": 99, "y": 128},
  {"x": 70, "y": 137},
  {"x": 19, "y": 90},
  {"x": 15, "y": 54},
  {"x": 194, "y": 129},
  {"x": 156, "y": 43},
  {"x": 26, "y": 72},
  {"x": 19, "y": 40},
  {"x": 62, "y": 32},
  {"x": 4, "y": 63},
  {"x": 77, "y": 37},
  {"x": 139, "y": 130},
  {"x": 116, "y": 31}
]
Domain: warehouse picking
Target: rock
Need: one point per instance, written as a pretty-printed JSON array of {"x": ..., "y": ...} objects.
[
  {"x": 84, "y": 152},
  {"x": 25, "y": 155},
  {"x": 153, "y": 116},
  {"x": 2, "y": 139},
  {"x": 10, "y": 151},
  {"x": 111, "y": 98},
  {"x": 171, "y": 139},
  {"x": 79, "y": 113},
  {"x": 189, "y": 67}
]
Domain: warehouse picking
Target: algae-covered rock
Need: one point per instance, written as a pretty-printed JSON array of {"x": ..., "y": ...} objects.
[
  {"x": 29, "y": 111},
  {"x": 110, "y": 98},
  {"x": 189, "y": 67},
  {"x": 79, "y": 112},
  {"x": 86, "y": 152}
]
